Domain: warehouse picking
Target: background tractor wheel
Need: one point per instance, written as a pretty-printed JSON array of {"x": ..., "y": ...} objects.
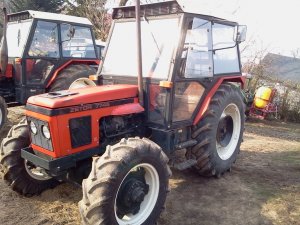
[
  {"x": 219, "y": 133},
  {"x": 127, "y": 185},
  {"x": 74, "y": 76},
  {"x": 3, "y": 112},
  {"x": 23, "y": 177}
]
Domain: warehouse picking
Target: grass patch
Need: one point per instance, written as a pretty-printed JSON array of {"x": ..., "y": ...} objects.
[
  {"x": 264, "y": 192},
  {"x": 290, "y": 158}
]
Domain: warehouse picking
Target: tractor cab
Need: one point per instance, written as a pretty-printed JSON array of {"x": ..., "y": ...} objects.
[
  {"x": 39, "y": 46},
  {"x": 184, "y": 54}
]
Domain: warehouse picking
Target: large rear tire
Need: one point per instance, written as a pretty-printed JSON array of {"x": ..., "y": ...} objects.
[
  {"x": 219, "y": 133},
  {"x": 21, "y": 176},
  {"x": 3, "y": 112},
  {"x": 74, "y": 76},
  {"x": 127, "y": 185}
]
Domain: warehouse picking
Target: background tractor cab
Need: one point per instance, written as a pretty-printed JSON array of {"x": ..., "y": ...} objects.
[
  {"x": 44, "y": 52},
  {"x": 100, "y": 46}
]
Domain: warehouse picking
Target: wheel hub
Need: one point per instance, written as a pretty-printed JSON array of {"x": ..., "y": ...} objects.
[
  {"x": 132, "y": 194},
  {"x": 225, "y": 130},
  {"x": 36, "y": 172}
]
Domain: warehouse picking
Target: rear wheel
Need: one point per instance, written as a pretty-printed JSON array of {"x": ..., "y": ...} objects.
[
  {"x": 219, "y": 133},
  {"x": 74, "y": 76},
  {"x": 3, "y": 112},
  {"x": 22, "y": 176},
  {"x": 127, "y": 185}
]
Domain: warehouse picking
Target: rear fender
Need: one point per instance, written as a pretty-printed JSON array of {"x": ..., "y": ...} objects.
[
  {"x": 205, "y": 104},
  {"x": 68, "y": 63}
]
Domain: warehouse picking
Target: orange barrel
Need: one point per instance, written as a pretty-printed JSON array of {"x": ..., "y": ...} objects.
[{"x": 262, "y": 97}]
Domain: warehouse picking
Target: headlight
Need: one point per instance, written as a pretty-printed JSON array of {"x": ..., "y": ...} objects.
[
  {"x": 46, "y": 132},
  {"x": 33, "y": 127}
]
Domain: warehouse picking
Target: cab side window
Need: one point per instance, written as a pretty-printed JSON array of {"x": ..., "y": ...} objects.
[{"x": 225, "y": 49}]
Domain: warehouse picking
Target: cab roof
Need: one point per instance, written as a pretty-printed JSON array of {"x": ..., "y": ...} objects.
[
  {"x": 167, "y": 8},
  {"x": 29, "y": 14}
]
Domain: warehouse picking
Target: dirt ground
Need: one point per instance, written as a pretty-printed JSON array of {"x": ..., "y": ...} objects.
[{"x": 263, "y": 187}]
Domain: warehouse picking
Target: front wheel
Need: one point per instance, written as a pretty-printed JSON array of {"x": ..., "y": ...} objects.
[
  {"x": 22, "y": 176},
  {"x": 127, "y": 185}
]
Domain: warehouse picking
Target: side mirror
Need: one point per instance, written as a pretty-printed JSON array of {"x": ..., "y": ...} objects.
[
  {"x": 241, "y": 32},
  {"x": 53, "y": 37},
  {"x": 71, "y": 32},
  {"x": 68, "y": 32}
]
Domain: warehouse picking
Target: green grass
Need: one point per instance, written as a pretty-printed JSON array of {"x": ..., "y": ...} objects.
[{"x": 291, "y": 158}]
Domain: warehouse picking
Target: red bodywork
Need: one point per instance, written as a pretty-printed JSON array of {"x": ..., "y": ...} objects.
[
  {"x": 86, "y": 96},
  {"x": 208, "y": 97},
  {"x": 59, "y": 125},
  {"x": 80, "y": 101}
]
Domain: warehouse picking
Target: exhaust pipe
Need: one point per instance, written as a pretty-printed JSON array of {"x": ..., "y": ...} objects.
[
  {"x": 139, "y": 53},
  {"x": 4, "y": 48}
]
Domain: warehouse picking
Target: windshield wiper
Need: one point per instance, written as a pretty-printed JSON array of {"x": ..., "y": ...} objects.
[{"x": 152, "y": 34}]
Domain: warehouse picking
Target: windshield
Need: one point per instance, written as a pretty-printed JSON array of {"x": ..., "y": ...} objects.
[
  {"x": 17, "y": 34},
  {"x": 159, "y": 38}
]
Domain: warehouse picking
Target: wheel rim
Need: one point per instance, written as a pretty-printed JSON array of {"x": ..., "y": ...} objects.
[
  {"x": 82, "y": 83},
  {"x": 228, "y": 131},
  {"x": 35, "y": 172},
  {"x": 143, "y": 192}
]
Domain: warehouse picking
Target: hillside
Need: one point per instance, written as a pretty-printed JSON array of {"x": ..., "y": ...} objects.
[{"x": 282, "y": 67}]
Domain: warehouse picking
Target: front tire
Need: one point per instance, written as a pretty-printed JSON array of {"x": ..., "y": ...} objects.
[
  {"x": 219, "y": 133},
  {"x": 21, "y": 176},
  {"x": 127, "y": 185}
]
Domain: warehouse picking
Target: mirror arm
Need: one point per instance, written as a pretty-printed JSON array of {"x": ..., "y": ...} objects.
[{"x": 217, "y": 49}]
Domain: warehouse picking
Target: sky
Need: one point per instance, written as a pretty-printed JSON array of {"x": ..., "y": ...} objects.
[{"x": 272, "y": 25}]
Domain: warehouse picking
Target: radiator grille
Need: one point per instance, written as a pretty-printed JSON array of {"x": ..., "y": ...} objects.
[{"x": 80, "y": 131}]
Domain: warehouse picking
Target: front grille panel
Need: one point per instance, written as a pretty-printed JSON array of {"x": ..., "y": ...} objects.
[
  {"x": 38, "y": 138},
  {"x": 80, "y": 131}
]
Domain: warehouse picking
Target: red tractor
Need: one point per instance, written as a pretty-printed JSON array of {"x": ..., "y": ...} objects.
[
  {"x": 44, "y": 52},
  {"x": 119, "y": 137}
]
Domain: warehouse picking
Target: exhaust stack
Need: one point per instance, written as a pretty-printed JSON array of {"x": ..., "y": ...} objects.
[
  {"x": 139, "y": 53},
  {"x": 4, "y": 48}
]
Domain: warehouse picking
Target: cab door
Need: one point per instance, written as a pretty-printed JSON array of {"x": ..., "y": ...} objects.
[{"x": 194, "y": 66}]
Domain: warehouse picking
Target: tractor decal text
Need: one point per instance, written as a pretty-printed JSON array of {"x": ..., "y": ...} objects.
[{"x": 86, "y": 107}]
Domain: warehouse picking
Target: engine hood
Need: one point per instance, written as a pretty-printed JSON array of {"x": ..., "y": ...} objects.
[{"x": 73, "y": 97}]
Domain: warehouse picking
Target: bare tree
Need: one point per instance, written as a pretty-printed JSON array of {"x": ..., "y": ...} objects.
[{"x": 95, "y": 11}]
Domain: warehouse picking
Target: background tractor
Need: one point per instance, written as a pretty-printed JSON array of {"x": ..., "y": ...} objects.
[
  {"x": 119, "y": 137},
  {"x": 43, "y": 52}
]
